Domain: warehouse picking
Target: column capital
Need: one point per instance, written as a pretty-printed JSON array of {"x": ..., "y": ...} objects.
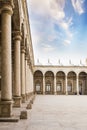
[
  {"x": 17, "y": 35},
  {"x": 29, "y": 63},
  {"x": 22, "y": 49},
  {"x": 65, "y": 75},
  {"x": 43, "y": 75},
  {"x": 77, "y": 76},
  {"x": 54, "y": 76},
  {"x": 7, "y": 6},
  {"x": 26, "y": 57}
]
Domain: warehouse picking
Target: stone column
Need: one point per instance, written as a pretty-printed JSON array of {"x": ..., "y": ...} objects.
[
  {"x": 17, "y": 79},
  {"x": 23, "y": 74},
  {"x": 26, "y": 77},
  {"x": 43, "y": 85},
  {"x": 6, "y": 63},
  {"x": 66, "y": 85},
  {"x": 54, "y": 85},
  {"x": 77, "y": 84}
]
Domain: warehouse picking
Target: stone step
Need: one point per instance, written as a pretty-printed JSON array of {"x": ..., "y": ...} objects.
[{"x": 9, "y": 119}]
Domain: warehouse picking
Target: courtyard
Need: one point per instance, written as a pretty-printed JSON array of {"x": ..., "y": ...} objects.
[{"x": 53, "y": 112}]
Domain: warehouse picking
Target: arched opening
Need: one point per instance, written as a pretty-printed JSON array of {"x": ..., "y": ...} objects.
[
  {"x": 49, "y": 82},
  {"x": 71, "y": 83},
  {"x": 70, "y": 86},
  {"x": 38, "y": 82},
  {"x": 83, "y": 83},
  {"x": 60, "y": 82}
]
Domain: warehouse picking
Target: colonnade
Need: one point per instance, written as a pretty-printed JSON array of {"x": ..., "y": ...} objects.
[
  {"x": 16, "y": 93},
  {"x": 60, "y": 83},
  {"x": 66, "y": 85}
]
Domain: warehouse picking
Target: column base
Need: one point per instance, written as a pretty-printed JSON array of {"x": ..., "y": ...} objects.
[
  {"x": 17, "y": 101},
  {"x": 43, "y": 93},
  {"x": 27, "y": 96},
  {"x": 6, "y": 108},
  {"x": 55, "y": 93},
  {"x": 78, "y": 93},
  {"x": 66, "y": 93},
  {"x": 23, "y": 98}
]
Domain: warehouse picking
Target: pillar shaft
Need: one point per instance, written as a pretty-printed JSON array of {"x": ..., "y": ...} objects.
[
  {"x": 66, "y": 85},
  {"x": 43, "y": 84},
  {"x": 23, "y": 73},
  {"x": 26, "y": 79},
  {"x": 6, "y": 64},
  {"x": 77, "y": 85},
  {"x": 17, "y": 79},
  {"x": 55, "y": 85}
]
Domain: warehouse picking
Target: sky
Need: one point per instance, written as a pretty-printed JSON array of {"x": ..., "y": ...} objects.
[{"x": 59, "y": 31}]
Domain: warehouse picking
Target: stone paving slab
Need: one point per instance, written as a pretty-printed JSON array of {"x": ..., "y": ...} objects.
[{"x": 51, "y": 112}]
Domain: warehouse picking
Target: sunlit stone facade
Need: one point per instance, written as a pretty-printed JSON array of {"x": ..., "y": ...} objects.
[
  {"x": 16, "y": 56},
  {"x": 60, "y": 80},
  {"x": 19, "y": 77}
]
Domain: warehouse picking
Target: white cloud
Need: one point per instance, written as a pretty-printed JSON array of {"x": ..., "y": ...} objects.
[
  {"x": 78, "y": 6},
  {"x": 67, "y": 42},
  {"x": 54, "y": 10},
  {"x": 47, "y": 48},
  {"x": 46, "y": 14}
]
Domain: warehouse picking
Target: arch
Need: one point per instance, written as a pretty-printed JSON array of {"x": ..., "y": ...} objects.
[
  {"x": 60, "y": 82},
  {"x": 83, "y": 83},
  {"x": 38, "y": 82},
  {"x": 82, "y": 74},
  {"x": 49, "y": 73},
  {"x": 71, "y": 78},
  {"x": 71, "y": 74},
  {"x": 60, "y": 73},
  {"x": 49, "y": 82},
  {"x": 38, "y": 72}
]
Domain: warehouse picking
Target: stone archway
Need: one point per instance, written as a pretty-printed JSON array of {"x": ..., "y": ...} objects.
[
  {"x": 49, "y": 82},
  {"x": 60, "y": 82},
  {"x": 83, "y": 83},
  {"x": 38, "y": 82},
  {"x": 71, "y": 78}
]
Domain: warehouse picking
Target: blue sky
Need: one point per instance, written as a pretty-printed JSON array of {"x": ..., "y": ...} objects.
[{"x": 59, "y": 31}]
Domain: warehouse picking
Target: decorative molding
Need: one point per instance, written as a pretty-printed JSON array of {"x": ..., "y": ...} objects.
[
  {"x": 22, "y": 49},
  {"x": 17, "y": 35},
  {"x": 6, "y": 2},
  {"x": 6, "y": 6}
]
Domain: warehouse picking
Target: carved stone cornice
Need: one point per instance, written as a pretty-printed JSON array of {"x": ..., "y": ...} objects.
[
  {"x": 22, "y": 49},
  {"x": 6, "y": 2},
  {"x": 17, "y": 35},
  {"x": 6, "y": 6}
]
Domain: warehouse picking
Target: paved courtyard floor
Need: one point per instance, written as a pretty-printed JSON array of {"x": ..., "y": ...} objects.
[{"x": 53, "y": 113}]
